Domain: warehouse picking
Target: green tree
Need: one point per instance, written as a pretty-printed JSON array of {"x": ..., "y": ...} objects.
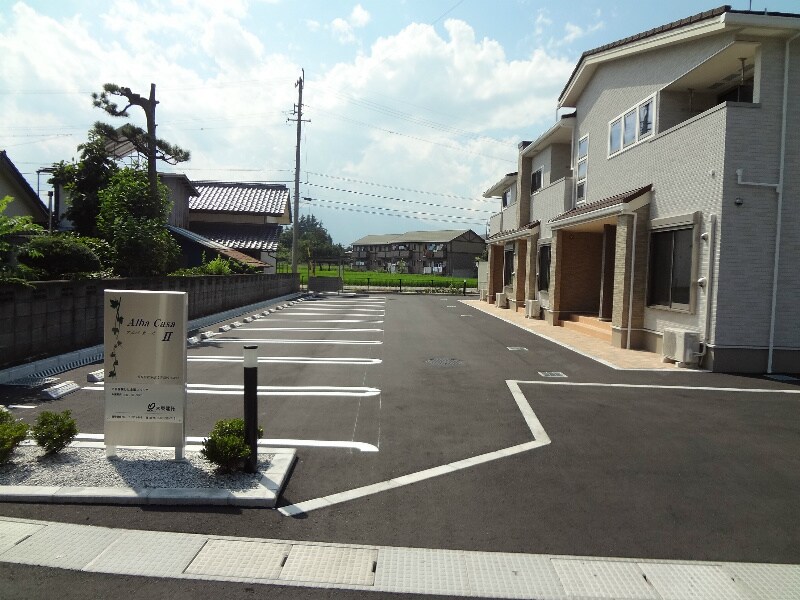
[
  {"x": 133, "y": 222},
  {"x": 145, "y": 142},
  {"x": 315, "y": 243},
  {"x": 14, "y": 232},
  {"x": 84, "y": 180}
]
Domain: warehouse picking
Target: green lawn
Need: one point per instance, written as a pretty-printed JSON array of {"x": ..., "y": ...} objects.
[{"x": 382, "y": 279}]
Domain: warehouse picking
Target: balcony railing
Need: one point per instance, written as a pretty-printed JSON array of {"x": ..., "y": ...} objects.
[{"x": 507, "y": 220}]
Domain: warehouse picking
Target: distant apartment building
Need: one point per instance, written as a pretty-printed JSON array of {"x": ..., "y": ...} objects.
[{"x": 450, "y": 252}]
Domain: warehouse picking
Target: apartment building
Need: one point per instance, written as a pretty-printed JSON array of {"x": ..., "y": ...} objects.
[{"x": 661, "y": 211}]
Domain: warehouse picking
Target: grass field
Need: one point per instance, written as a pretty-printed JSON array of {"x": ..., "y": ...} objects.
[{"x": 368, "y": 279}]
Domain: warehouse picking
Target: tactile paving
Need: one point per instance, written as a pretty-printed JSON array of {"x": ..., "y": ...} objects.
[
  {"x": 603, "y": 579},
  {"x": 687, "y": 582},
  {"x": 422, "y": 571},
  {"x": 777, "y": 582},
  {"x": 151, "y": 553},
  {"x": 330, "y": 564},
  {"x": 62, "y": 545},
  {"x": 13, "y": 532},
  {"x": 231, "y": 558},
  {"x": 513, "y": 576}
]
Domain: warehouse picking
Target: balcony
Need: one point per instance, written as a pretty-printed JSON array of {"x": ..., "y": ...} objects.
[
  {"x": 552, "y": 200},
  {"x": 507, "y": 220}
]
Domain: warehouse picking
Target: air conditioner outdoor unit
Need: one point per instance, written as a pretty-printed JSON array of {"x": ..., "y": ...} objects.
[
  {"x": 532, "y": 309},
  {"x": 681, "y": 346},
  {"x": 501, "y": 300}
]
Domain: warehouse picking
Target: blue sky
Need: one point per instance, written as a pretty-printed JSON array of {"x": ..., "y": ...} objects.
[{"x": 416, "y": 106}]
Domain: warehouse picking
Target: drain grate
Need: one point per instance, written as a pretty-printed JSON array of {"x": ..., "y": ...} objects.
[
  {"x": 551, "y": 374},
  {"x": 445, "y": 363},
  {"x": 32, "y": 381}
]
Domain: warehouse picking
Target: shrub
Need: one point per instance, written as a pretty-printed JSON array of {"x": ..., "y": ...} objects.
[
  {"x": 12, "y": 432},
  {"x": 59, "y": 256},
  {"x": 54, "y": 431},
  {"x": 226, "y": 446}
]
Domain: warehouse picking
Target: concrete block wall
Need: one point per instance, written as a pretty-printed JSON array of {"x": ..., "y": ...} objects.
[{"x": 53, "y": 317}]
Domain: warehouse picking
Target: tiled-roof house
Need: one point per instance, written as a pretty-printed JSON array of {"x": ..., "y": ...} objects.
[
  {"x": 448, "y": 252},
  {"x": 665, "y": 204},
  {"x": 247, "y": 217},
  {"x": 26, "y": 202}
]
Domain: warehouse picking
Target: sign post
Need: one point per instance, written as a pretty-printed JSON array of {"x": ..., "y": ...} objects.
[{"x": 145, "y": 369}]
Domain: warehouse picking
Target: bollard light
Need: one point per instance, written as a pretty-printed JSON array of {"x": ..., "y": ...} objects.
[{"x": 251, "y": 406}]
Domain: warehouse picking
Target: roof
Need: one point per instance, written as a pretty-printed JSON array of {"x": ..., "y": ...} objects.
[
  {"x": 513, "y": 234},
  {"x": 182, "y": 179},
  {"x": 244, "y": 198},
  {"x": 704, "y": 23},
  {"x": 216, "y": 247},
  {"x": 430, "y": 237},
  {"x": 30, "y": 199},
  {"x": 498, "y": 188},
  {"x": 590, "y": 207},
  {"x": 241, "y": 237},
  {"x": 560, "y": 133}
]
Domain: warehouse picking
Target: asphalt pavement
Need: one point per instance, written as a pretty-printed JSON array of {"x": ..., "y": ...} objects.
[{"x": 378, "y": 388}]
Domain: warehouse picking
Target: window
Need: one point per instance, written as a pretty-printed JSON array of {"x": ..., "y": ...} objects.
[
  {"x": 615, "y": 136},
  {"x": 671, "y": 268},
  {"x": 508, "y": 266},
  {"x": 632, "y": 127},
  {"x": 583, "y": 157},
  {"x": 544, "y": 268},
  {"x": 536, "y": 181}
]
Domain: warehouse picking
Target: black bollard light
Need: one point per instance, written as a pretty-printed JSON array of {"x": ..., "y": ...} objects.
[
  {"x": 465, "y": 287},
  {"x": 251, "y": 406}
]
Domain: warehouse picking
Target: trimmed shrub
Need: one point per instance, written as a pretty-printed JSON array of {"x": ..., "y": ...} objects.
[
  {"x": 54, "y": 431},
  {"x": 59, "y": 256},
  {"x": 12, "y": 432},
  {"x": 226, "y": 446}
]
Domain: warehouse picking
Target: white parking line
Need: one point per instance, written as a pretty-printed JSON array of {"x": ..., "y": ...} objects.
[
  {"x": 333, "y": 309},
  {"x": 270, "y": 390},
  {"x": 317, "y": 329},
  {"x": 295, "y": 360},
  {"x": 328, "y": 321},
  {"x": 329, "y": 314},
  {"x": 217, "y": 340},
  {"x": 537, "y": 430},
  {"x": 666, "y": 387}
]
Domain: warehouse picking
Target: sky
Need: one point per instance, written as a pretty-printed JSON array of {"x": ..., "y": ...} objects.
[{"x": 414, "y": 107}]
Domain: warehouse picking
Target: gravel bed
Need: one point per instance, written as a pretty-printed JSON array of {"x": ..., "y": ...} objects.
[{"x": 152, "y": 468}]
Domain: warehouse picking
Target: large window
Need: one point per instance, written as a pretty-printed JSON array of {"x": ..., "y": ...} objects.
[
  {"x": 671, "y": 268},
  {"x": 544, "y": 268},
  {"x": 582, "y": 167},
  {"x": 631, "y": 127}
]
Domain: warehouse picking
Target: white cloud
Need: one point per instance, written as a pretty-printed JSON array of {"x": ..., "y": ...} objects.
[
  {"x": 312, "y": 25},
  {"x": 344, "y": 29},
  {"x": 573, "y": 32},
  {"x": 359, "y": 17}
]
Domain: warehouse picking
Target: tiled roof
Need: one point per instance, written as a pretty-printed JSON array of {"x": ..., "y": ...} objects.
[
  {"x": 619, "y": 199},
  {"x": 217, "y": 247},
  {"x": 512, "y": 233},
  {"x": 241, "y": 237},
  {"x": 233, "y": 197},
  {"x": 430, "y": 237},
  {"x": 30, "y": 198}
]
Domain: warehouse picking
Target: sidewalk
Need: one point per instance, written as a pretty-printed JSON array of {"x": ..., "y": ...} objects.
[
  {"x": 383, "y": 568},
  {"x": 599, "y": 350}
]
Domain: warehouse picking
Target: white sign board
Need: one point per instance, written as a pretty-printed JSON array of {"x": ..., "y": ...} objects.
[{"x": 145, "y": 368}]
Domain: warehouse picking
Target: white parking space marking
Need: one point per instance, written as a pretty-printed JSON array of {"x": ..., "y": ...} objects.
[
  {"x": 270, "y": 390},
  {"x": 293, "y": 360},
  {"x": 329, "y": 314},
  {"x": 271, "y": 341},
  {"x": 317, "y": 329},
  {"x": 667, "y": 387},
  {"x": 326, "y": 321},
  {"x": 537, "y": 430},
  {"x": 334, "y": 308}
]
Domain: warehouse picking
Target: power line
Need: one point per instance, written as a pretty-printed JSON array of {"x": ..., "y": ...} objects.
[
  {"x": 325, "y": 187},
  {"x": 393, "y": 187},
  {"x": 385, "y": 211}
]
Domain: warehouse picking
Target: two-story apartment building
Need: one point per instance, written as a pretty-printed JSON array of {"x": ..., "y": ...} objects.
[
  {"x": 664, "y": 204},
  {"x": 448, "y": 252}
]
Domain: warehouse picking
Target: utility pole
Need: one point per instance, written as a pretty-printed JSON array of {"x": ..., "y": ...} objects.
[{"x": 298, "y": 111}]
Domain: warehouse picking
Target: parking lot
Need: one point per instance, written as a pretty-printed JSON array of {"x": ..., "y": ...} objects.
[{"x": 421, "y": 421}]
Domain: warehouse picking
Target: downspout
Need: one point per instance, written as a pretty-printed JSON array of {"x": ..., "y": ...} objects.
[
  {"x": 633, "y": 273},
  {"x": 778, "y": 223},
  {"x": 709, "y": 285}
]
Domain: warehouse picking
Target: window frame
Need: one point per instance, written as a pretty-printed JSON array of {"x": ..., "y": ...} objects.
[
  {"x": 581, "y": 181},
  {"x": 671, "y": 226},
  {"x": 624, "y": 129},
  {"x": 540, "y": 172}
]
